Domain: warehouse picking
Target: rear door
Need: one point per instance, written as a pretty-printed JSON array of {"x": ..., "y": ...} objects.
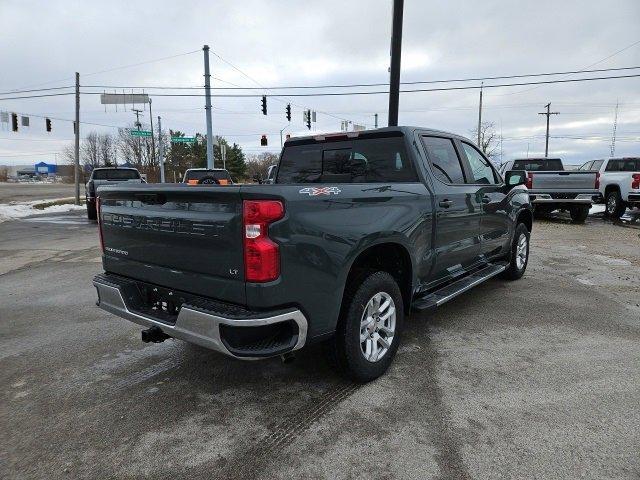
[
  {"x": 495, "y": 222},
  {"x": 458, "y": 210}
]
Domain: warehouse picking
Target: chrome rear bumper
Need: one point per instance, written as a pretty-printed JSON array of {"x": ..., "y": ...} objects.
[{"x": 196, "y": 325}]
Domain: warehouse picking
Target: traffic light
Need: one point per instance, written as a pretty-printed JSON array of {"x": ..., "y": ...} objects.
[
  {"x": 264, "y": 104},
  {"x": 47, "y": 122},
  {"x": 309, "y": 119},
  {"x": 288, "y": 112},
  {"x": 14, "y": 122},
  {"x": 263, "y": 141}
]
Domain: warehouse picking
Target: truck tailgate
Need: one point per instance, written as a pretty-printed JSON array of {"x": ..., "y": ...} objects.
[
  {"x": 562, "y": 181},
  {"x": 176, "y": 236}
]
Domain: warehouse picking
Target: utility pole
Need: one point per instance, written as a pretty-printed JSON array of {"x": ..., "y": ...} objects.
[
  {"x": 548, "y": 113},
  {"x": 615, "y": 127},
  {"x": 396, "y": 52},
  {"x": 375, "y": 117},
  {"x": 223, "y": 154},
  {"x": 76, "y": 166},
  {"x": 207, "y": 106},
  {"x": 153, "y": 141},
  {"x": 160, "y": 149},
  {"x": 480, "y": 118}
]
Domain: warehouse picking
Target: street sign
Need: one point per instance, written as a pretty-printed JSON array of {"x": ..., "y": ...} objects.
[
  {"x": 123, "y": 98},
  {"x": 183, "y": 139},
  {"x": 140, "y": 133}
]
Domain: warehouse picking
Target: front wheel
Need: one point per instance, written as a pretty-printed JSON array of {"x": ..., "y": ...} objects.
[
  {"x": 579, "y": 214},
  {"x": 369, "y": 327},
  {"x": 519, "y": 256}
]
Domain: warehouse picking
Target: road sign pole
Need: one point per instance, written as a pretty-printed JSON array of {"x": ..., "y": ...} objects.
[
  {"x": 160, "y": 150},
  {"x": 396, "y": 51},
  {"x": 153, "y": 141},
  {"x": 207, "y": 107},
  {"x": 76, "y": 166}
]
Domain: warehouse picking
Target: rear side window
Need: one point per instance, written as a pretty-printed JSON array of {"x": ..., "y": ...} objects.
[
  {"x": 624, "y": 165},
  {"x": 370, "y": 160},
  {"x": 116, "y": 174},
  {"x": 535, "y": 164},
  {"x": 444, "y": 160}
]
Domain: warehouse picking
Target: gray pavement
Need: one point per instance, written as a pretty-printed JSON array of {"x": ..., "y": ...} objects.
[
  {"x": 26, "y": 192},
  {"x": 538, "y": 378}
]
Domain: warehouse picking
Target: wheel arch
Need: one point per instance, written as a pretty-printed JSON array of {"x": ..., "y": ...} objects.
[
  {"x": 390, "y": 256},
  {"x": 525, "y": 217}
]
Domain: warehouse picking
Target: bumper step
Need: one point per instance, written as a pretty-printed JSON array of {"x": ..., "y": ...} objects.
[{"x": 452, "y": 290}]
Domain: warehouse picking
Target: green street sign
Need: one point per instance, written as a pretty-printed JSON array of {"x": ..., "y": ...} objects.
[
  {"x": 183, "y": 139},
  {"x": 140, "y": 133}
]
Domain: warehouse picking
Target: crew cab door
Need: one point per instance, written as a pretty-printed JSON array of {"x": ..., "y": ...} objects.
[
  {"x": 490, "y": 192},
  {"x": 458, "y": 210}
]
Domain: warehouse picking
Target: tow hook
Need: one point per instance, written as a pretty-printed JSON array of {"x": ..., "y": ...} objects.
[
  {"x": 154, "y": 335},
  {"x": 288, "y": 357}
]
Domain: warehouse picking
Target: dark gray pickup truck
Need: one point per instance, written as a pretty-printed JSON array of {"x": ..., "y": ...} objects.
[{"x": 358, "y": 229}]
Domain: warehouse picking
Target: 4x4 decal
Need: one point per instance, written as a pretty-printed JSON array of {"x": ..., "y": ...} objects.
[{"x": 313, "y": 191}]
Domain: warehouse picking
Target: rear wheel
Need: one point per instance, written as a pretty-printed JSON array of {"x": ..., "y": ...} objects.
[
  {"x": 579, "y": 214},
  {"x": 369, "y": 327},
  {"x": 519, "y": 256},
  {"x": 615, "y": 205},
  {"x": 92, "y": 213}
]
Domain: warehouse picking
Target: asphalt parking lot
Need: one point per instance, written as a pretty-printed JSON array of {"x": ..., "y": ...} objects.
[{"x": 538, "y": 378}]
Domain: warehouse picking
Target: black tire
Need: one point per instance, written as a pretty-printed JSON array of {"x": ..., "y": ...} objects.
[
  {"x": 615, "y": 207},
  {"x": 344, "y": 350},
  {"x": 579, "y": 214},
  {"x": 92, "y": 213},
  {"x": 208, "y": 181},
  {"x": 514, "y": 271}
]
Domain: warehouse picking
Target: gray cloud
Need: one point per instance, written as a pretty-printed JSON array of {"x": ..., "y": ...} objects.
[{"x": 292, "y": 42}]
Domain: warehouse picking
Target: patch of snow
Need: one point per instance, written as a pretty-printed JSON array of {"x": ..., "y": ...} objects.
[
  {"x": 597, "y": 209},
  {"x": 14, "y": 210}
]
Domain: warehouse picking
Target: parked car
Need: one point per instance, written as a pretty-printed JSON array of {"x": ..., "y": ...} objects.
[
  {"x": 618, "y": 181},
  {"x": 358, "y": 229},
  {"x": 207, "y": 176},
  {"x": 552, "y": 188},
  {"x": 106, "y": 176}
]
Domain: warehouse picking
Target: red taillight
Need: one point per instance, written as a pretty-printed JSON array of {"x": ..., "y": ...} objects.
[
  {"x": 99, "y": 224},
  {"x": 597, "y": 180},
  {"x": 261, "y": 254},
  {"x": 635, "y": 183},
  {"x": 529, "y": 180}
]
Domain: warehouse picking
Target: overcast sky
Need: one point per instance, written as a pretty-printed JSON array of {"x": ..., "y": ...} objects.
[{"x": 281, "y": 43}]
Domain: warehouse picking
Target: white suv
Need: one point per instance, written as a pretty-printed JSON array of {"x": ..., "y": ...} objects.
[{"x": 618, "y": 181}]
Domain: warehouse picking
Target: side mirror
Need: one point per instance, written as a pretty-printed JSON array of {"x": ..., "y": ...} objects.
[{"x": 515, "y": 177}]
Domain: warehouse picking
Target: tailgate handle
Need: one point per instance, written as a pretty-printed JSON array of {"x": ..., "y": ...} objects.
[{"x": 151, "y": 198}]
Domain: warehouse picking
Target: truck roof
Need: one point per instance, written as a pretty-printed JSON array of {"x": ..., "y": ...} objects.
[{"x": 385, "y": 131}]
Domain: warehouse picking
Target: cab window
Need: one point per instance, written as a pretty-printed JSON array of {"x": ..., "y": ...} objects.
[
  {"x": 481, "y": 170},
  {"x": 444, "y": 160}
]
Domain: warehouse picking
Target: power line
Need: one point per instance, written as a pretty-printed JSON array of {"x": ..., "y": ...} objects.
[
  {"x": 362, "y": 85},
  {"x": 380, "y": 92},
  {"x": 13, "y": 92},
  {"x": 38, "y": 96}
]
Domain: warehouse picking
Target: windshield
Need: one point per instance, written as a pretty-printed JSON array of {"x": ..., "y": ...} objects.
[{"x": 116, "y": 174}]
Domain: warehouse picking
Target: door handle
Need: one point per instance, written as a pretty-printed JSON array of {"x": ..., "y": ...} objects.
[
  {"x": 445, "y": 203},
  {"x": 486, "y": 199}
]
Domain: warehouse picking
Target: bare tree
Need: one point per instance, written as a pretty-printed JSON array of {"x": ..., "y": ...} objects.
[
  {"x": 257, "y": 165},
  {"x": 489, "y": 139},
  {"x": 90, "y": 151},
  {"x": 107, "y": 152}
]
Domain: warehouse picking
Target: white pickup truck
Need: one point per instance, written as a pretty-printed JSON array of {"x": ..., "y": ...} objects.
[
  {"x": 551, "y": 187},
  {"x": 618, "y": 180}
]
